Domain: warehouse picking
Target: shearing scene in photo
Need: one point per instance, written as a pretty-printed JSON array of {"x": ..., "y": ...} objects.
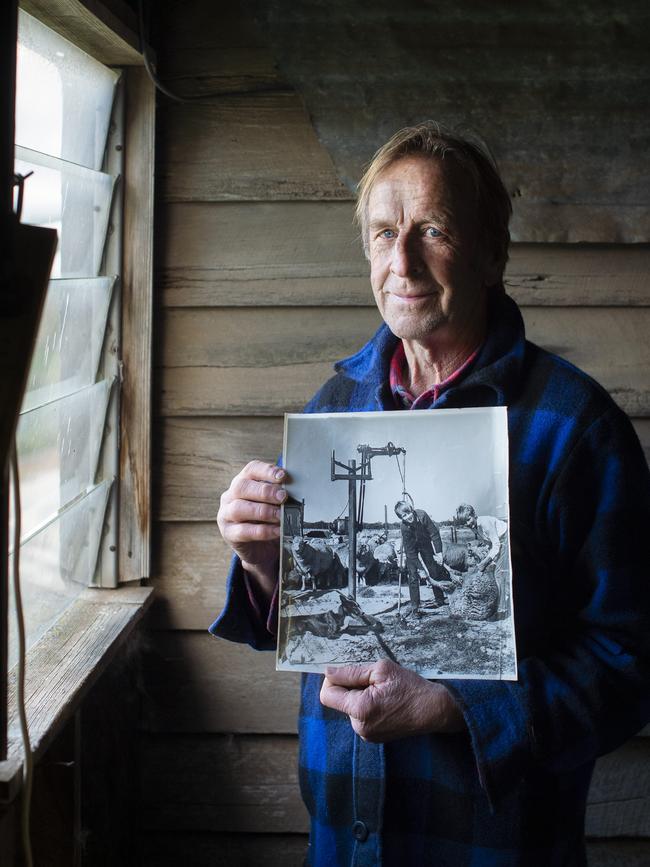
[{"x": 395, "y": 543}]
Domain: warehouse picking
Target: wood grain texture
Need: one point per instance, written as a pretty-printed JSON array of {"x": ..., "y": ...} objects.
[
  {"x": 249, "y": 784},
  {"x": 190, "y": 564},
  {"x": 618, "y": 853},
  {"x": 221, "y": 783},
  {"x": 308, "y": 254},
  {"x": 205, "y": 354},
  {"x": 199, "y": 683},
  {"x": 199, "y": 457},
  {"x": 164, "y": 849},
  {"x": 65, "y": 663},
  {"x": 254, "y": 146},
  {"x": 263, "y": 336},
  {"x": 106, "y": 30},
  {"x": 136, "y": 343},
  {"x": 619, "y": 797},
  {"x": 560, "y": 96}
]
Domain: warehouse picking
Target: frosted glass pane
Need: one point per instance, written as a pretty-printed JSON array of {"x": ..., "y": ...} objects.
[
  {"x": 58, "y": 446},
  {"x": 57, "y": 563},
  {"x": 74, "y": 201},
  {"x": 63, "y": 97},
  {"x": 69, "y": 341}
]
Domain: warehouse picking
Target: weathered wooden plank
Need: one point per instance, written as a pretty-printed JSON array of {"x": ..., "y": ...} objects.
[
  {"x": 199, "y": 457},
  {"x": 308, "y": 253},
  {"x": 137, "y": 329},
  {"x": 205, "y": 391},
  {"x": 249, "y": 783},
  {"x": 254, "y": 146},
  {"x": 618, "y": 853},
  {"x": 244, "y": 784},
  {"x": 105, "y": 29},
  {"x": 619, "y": 797},
  {"x": 199, "y": 683},
  {"x": 550, "y": 107},
  {"x": 164, "y": 849},
  {"x": 68, "y": 660},
  {"x": 206, "y": 354},
  {"x": 207, "y": 256},
  {"x": 260, "y": 337},
  {"x": 191, "y": 562}
]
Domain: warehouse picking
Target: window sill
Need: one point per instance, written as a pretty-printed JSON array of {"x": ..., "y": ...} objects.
[{"x": 63, "y": 666}]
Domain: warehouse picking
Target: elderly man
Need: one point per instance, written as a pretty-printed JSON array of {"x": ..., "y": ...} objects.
[
  {"x": 396, "y": 769},
  {"x": 420, "y": 539}
]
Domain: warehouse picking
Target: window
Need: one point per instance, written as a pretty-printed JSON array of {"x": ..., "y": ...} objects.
[{"x": 65, "y": 107}]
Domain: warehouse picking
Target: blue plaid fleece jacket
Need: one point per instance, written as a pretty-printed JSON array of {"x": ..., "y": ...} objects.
[{"x": 510, "y": 790}]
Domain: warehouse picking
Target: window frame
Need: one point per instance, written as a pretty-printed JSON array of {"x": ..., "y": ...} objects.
[{"x": 108, "y": 31}]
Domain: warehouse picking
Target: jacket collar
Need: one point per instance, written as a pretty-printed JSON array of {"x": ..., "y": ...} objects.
[{"x": 493, "y": 381}]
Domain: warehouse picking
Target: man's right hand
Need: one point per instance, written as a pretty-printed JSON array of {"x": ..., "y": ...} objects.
[{"x": 249, "y": 519}]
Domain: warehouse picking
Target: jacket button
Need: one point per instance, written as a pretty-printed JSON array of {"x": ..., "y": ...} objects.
[{"x": 360, "y": 831}]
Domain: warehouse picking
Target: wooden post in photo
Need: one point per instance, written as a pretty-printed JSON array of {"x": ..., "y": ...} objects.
[{"x": 352, "y": 530}]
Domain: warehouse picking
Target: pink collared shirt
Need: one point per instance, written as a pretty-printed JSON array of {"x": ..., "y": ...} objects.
[{"x": 398, "y": 373}]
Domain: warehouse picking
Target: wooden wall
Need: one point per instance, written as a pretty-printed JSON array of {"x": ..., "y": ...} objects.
[{"x": 260, "y": 286}]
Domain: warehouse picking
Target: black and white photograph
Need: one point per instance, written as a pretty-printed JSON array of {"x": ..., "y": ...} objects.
[{"x": 395, "y": 543}]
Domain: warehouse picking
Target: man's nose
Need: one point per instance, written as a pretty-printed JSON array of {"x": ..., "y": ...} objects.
[{"x": 406, "y": 259}]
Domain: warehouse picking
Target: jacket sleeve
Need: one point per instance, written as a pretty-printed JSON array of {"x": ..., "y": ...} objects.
[
  {"x": 590, "y": 689},
  {"x": 244, "y": 617}
]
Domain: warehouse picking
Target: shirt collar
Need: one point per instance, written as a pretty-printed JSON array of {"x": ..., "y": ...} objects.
[
  {"x": 495, "y": 377},
  {"x": 399, "y": 387}
]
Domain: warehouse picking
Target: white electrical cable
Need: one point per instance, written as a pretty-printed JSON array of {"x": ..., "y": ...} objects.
[{"x": 28, "y": 763}]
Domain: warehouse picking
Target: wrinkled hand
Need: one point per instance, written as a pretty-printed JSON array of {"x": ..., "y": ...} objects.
[
  {"x": 385, "y": 701},
  {"x": 249, "y": 518}
]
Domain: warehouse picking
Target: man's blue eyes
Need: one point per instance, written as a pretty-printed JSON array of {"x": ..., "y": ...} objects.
[{"x": 432, "y": 232}]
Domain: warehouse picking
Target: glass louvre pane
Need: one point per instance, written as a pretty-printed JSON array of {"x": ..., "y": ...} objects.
[
  {"x": 70, "y": 338},
  {"x": 73, "y": 200},
  {"x": 58, "y": 447},
  {"x": 56, "y": 562},
  {"x": 63, "y": 96}
]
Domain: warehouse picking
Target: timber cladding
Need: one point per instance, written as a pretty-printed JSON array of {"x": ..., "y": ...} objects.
[{"x": 261, "y": 284}]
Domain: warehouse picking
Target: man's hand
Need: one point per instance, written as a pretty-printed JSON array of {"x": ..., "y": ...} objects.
[
  {"x": 249, "y": 519},
  {"x": 385, "y": 701}
]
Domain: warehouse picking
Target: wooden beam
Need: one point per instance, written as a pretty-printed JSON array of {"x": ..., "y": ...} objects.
[
  {"x": 197, "y": 683},
  {"x": 254, "y": 146},
  {"x": 199, "y": 457},
  {"x": 190, "y": 565},
  {"x": 230, "y": 361},
  {"x": 64, "y": 664},
  {"x": 308, "y": 254},
  {"x": 105, "y": 29},
  {"x": 619, "y": 797},
  {"x": 200, "y": 849},
  {"x": 246, "y": 784},
  {"x": 136, "y": 342}
]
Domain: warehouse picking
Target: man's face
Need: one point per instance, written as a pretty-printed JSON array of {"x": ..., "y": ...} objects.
[
  {"x": 427, "y": 268},
  {"x": 406, "y": 514}
]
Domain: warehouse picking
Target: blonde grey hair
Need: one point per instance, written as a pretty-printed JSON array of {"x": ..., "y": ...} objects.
[{"x": 430, "y": 139}]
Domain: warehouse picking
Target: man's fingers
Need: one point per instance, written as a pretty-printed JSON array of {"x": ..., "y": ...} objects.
[
  {"x": 350, "y": 676},
  {"x": 263, "y": 471},
  {"x": 255, "y": 491},
  {"x": 244, "y": 511},
  {"x": 240, "y": 534}
]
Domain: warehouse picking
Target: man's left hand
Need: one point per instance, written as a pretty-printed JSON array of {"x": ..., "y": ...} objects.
[{"x": 385, "y": 701}]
